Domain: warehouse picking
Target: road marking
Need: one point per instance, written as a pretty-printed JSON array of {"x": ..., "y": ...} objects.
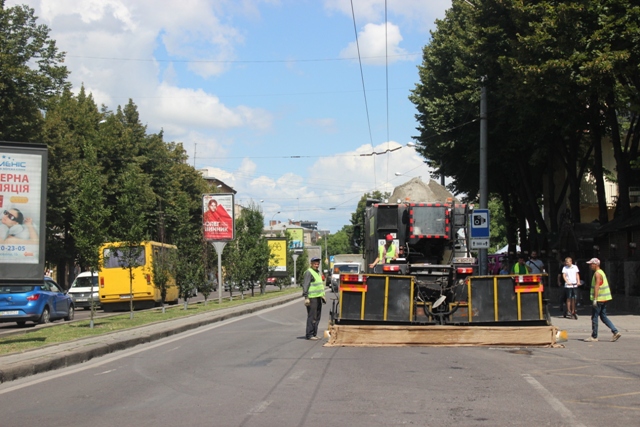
[
  {"x": 111, "y": 357},
  {"x": 553, "y": 402},
  {"x": 105, "y": 372},
  {"x": 297, "y": 375},
  {"x": 317, "y": 355},
  {"x": 261, "y": 407}
]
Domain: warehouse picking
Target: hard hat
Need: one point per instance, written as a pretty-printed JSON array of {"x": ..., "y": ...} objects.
[{"x": 388, "y": 238}]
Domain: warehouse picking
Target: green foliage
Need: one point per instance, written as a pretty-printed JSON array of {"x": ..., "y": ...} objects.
[
  {"x": 498, "y": 228},
  {"x": 561, "y": 76},
  {"x": 357, "y": 218},
  {"x": 246, "y": 259},
  {"x": 340, "y": 242},
  {"x": 163, "y": 267},
  {"x": 30, "y": 73},
  {"x": 130, "y": 219},
  {"x": 170, "y": 189},
  {"x": 90, "y": 216}
]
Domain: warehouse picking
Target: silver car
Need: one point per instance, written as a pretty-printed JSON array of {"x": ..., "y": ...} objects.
[{"x": 80, "y": 290}]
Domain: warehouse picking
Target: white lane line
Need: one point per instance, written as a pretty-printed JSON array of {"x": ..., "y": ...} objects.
[
  {"x": 261, "y": 407},
  {"x": 565, "y": 413},
  {"x": 108, "y": 358},
  {"x": 105, "y": 372},
  {"x": 297, "y": 375}
]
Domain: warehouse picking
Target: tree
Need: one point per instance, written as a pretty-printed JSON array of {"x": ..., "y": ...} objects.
[
  {"x": 163, "y": 267},
  {"x": 559, "y": 80},
  {"x": 71, "y": 132},
  {"x": 357, "y": 218},
  {"x": 246, "y": 259},
  {"x": 130, "y": 221},
  {"x": 340, "y": 242},
  {"x": 90, "y": 217},
  {"x": 30, "y": 73}
]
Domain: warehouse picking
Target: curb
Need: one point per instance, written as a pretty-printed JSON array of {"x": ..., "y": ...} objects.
[{"x": 57, "y": 356}]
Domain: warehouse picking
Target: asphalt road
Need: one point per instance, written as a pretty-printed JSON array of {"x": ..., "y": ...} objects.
[
  {"x": 258, "y": 370},
  {"x": 10, "y": 328}
]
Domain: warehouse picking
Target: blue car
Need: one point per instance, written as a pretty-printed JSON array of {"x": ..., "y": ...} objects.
[{"x": 38, "y": 302}]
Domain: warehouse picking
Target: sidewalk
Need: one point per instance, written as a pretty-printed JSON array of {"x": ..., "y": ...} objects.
[{"x": 56, "y": 356}]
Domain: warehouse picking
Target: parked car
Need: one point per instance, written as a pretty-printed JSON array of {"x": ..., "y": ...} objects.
[
  {"x": 271, "y": 280},
  {"x": 80, "y": 290},
  {"x": 38, "y": 302}
]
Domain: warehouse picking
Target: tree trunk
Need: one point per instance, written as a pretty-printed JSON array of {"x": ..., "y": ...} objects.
[
  {"x": 623, "y": 206},
  {"x": 603, "y": 215}
]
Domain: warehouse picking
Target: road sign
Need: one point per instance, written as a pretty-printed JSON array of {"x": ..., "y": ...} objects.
[
  {"x": 479, "y": 243},
  {"x": 480, "y": 224}
]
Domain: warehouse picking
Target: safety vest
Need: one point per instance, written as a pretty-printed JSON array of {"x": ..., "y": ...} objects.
[
  {"x": 604, "y": 293},
  {"x": 316, "y": 287},
  {"x": 518, "y": 269},
  {"x": 391, "y": 252}
]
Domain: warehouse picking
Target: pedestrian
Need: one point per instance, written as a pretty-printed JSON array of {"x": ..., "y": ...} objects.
[
  {"x": 536, "y": 266},
  {"x": 504, "y": 267},
  {"x": 571, "y": 277},
  {"x": 520, "y": 267},
  {"x": 600, "y": 295},
  {"x": 313, "y": 293}
]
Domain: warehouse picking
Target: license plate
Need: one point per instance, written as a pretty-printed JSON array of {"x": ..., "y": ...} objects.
[
  {"x": 10, "y": 313},
  {"x": 125, "y": 296},
  {"x": 82, "y": 299}
]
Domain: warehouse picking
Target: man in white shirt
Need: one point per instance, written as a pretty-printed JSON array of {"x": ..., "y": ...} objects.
[
  {"x": 571, "y": 276},
  {"x": 535, "y": 265}
]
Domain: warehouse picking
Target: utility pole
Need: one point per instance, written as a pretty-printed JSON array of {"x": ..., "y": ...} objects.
[{"x": 484, "y": 193}]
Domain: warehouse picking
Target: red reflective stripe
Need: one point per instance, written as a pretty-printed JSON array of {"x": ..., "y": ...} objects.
[{"x": 358, "y": 278}]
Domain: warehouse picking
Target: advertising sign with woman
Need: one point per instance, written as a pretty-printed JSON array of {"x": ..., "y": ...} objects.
[
  {"x": 23, "y": 170},
  {"x": 217, "y": 217}
]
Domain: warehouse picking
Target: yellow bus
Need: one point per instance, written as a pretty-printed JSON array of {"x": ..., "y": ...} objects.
[{"x": 113, "y": 278}]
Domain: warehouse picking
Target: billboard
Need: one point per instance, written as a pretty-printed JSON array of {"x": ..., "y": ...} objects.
[
  {"x": 278, "y": 260},
  {"x": 218, "y": 217},
  {"x": 296, "y": 237},
  {"x": 23, "y": 195}
]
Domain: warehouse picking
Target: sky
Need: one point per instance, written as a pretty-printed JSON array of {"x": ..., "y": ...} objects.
[{"x": 269, "y": 96}]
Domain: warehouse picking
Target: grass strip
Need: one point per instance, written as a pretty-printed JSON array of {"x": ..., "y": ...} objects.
[{"x": 68, "y": 331}]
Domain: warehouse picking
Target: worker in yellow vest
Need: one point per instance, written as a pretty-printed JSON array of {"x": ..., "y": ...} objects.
[
  {"x": 313, "y": 293},
  {"x": 600, "y": 295},
  {"x": 386, "y": 252}
]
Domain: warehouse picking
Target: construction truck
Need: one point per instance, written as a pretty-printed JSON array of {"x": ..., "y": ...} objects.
[
  {"x": 345, "y": 263},
  {"x": 432, "y": 282}
]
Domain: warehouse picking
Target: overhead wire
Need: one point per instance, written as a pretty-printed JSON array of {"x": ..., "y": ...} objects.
[
  {"x": 364, "y": 91},
  {"x": 386, "y": 68}
]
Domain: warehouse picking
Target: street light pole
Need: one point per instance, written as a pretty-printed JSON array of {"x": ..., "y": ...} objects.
[
  {"x": 326, "y": 243},
  {"x": 271, "y": 222}
]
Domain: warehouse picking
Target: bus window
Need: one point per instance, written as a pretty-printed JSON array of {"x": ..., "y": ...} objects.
[{"x": 115, "y": 258}]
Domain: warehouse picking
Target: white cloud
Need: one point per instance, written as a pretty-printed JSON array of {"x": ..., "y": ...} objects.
[
  {"x": 334, "y": 185},
  {"x": 371, "y": 41},
  {"x": 194, "y": 108},
  {"x": 423, "y": 12},
  {"x": 90, "y": 11}
]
